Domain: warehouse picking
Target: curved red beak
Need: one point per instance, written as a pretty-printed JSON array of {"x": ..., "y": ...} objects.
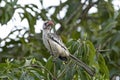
[{"x": 50, "y": 23}]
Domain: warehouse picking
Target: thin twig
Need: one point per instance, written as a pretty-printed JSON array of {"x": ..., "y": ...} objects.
[{"x": 104, "y": 50}]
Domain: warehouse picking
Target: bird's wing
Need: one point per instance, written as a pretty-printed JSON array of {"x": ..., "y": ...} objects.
[{"x": 57, "y": 39}]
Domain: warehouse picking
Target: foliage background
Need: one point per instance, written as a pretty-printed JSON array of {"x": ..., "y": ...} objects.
[{"x": 92, "y": 37}]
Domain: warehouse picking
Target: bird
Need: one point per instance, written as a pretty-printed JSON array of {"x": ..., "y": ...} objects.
[{"x": 57, "y": 48}]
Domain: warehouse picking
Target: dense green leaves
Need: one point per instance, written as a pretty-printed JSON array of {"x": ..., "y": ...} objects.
[
  {"x": 91, "y": 37},
  {"x": 7, "y": 11}
]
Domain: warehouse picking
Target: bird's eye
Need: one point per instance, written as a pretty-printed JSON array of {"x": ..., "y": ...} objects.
[{"x": 46, "y": 24}]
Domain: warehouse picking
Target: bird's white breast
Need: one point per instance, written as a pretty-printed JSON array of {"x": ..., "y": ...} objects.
[{"x": 53, "y": 46}]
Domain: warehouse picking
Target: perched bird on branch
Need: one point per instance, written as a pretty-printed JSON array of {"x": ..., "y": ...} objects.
[{"x": 57, "y": 48}]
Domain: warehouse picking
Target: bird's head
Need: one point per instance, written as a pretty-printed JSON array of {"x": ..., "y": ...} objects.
[{"x": 47, "y": 25}]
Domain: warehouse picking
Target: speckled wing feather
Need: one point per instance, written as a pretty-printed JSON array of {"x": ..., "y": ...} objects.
[
  {"x": 59, "y": 47},
  {"x": 57, "y": 39}
]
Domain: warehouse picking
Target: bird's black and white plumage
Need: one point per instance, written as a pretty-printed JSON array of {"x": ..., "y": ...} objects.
[
  {"x": 57, "y": 48},
  {"x": 53, "y": 42}
]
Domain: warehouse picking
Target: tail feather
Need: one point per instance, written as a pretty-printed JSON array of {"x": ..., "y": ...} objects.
[{"x": 83, "y": 65}]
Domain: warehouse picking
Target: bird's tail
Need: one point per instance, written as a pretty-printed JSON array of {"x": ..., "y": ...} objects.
[{"x": 83, "y": 65}]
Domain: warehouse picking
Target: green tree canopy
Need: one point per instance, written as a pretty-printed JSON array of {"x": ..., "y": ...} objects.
[{"x": 92, "y": 37}]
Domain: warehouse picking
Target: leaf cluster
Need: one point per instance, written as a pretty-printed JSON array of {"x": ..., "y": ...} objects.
[{"x": 91, "y": 37}]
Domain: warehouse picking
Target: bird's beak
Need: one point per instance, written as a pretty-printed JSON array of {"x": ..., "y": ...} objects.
[{"x": 50, "y": 23}]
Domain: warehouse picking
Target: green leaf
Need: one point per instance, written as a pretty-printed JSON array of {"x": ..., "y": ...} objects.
[
  {"x": 36, "y": 74},
  {"x": 49, "y": 63},
  {"x": 6, "y": 13},
  {"x": 91, "y": 53},
  {"x": 31, "y": 21},
  {"x": 103, "y": 67}
]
